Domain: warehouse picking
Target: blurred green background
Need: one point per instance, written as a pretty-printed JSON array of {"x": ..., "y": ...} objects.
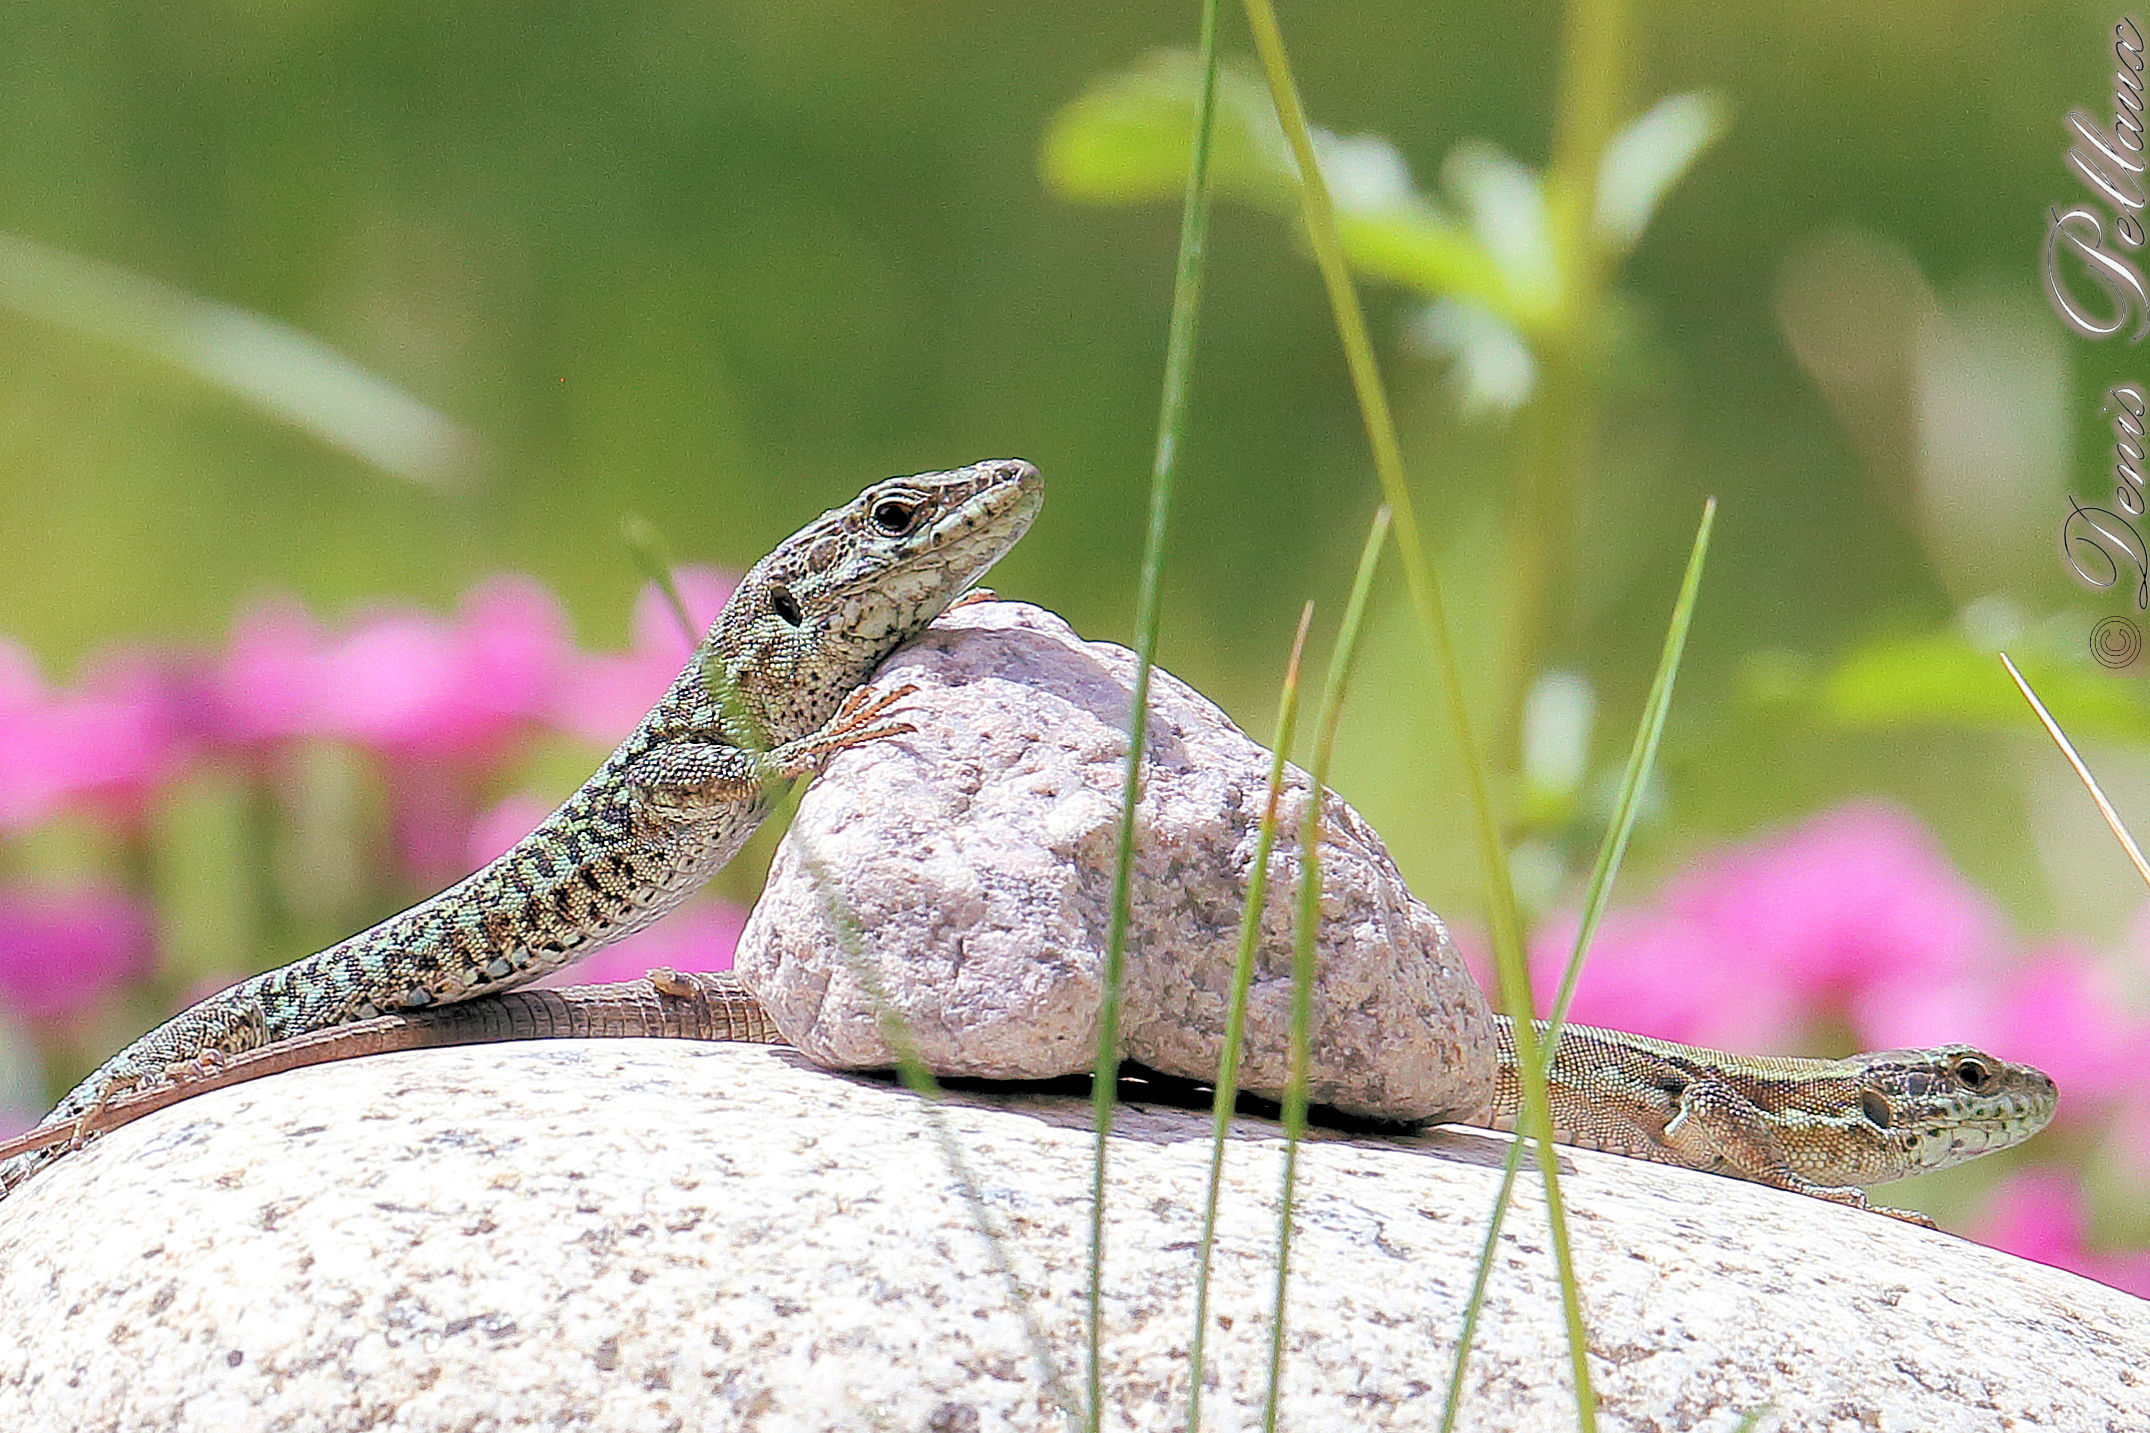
[{"x": 719, "y": 265}]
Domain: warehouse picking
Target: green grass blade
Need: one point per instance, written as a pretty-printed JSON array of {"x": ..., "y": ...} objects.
[
  {"x": 1171, "y": 422},
  {"x": 1305, "y": 926},
  {"x": 1502, "y": 915},
  {"x": 1235, "y": 1020},
  {"x": 655, "y": 559},
  {"x": 654, "y": 556},
  {"x": 1642, "y": 758},
  {"x": 277, "y": 369}
]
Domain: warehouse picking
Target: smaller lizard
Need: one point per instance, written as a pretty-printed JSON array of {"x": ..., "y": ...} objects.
[
  {"x": 1821, "y": 1127},
  {"x": 1818, "y": 1127}
]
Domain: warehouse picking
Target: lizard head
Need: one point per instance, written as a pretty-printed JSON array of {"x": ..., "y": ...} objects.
[
  {"x": 1939, "y": 1107},
  {"x": 811, "y": 620}
]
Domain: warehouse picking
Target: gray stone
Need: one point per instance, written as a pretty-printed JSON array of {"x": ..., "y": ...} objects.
[
  {"x": 649, "y": 1235},
  {"x": 976, "y": 857}
]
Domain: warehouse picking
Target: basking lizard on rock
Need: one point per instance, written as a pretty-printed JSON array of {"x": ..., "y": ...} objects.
[
  {"x": 1822, "y": 1127},
  {"x": 775, "y": 687},
  {"x": 1819, "y": 1127}
]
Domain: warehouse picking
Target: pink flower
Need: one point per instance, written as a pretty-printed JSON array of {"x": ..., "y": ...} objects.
[
  {"x": 1854, "y": 912},
  {"x": 604, "y": 699},
  {"x": 267, "y": 685},
  {"x": 1856, "y": 898},
  {"x": 2057, "y": 1010},
  {"x": 700, "y": 935},
  {"x": 403, "y": 682},
  {"x": 2039, "y": 1214},
  {"x": 20, "y": 686},
  {"x": 62, "y": 951},
  {"x": 501, "y": 827},
  {"x": 2036, "y": 1214},
  {"x": 114, "y": 739},
  {"x": 410, "y": 684},
  {"x": 1665, "y": 975}
]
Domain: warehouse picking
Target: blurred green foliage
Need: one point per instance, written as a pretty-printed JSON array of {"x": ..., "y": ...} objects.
[{"x": 717, "y": 265}]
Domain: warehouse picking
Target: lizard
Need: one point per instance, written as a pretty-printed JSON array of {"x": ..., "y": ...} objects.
[
  {"x": 774, "y": 687},
  {"x": 1824, "y": 1128}
]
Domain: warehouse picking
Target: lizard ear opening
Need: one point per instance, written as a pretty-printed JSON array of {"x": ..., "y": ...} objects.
[
  {"x": 1875, "y": 1108},
  {"x": 784, "y": 605}
]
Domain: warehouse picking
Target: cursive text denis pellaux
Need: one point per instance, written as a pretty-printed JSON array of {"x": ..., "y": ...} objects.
[{"x": 2101, "y": 545}]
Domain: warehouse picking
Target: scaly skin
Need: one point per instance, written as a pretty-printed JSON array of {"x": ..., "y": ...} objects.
[
  {"x": 804, "y": 628},
  {"x": 1819, "y": 1127}
]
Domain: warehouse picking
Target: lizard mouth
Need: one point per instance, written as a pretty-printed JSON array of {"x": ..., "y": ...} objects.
[
  {"x": 1002, "y": 499},
  {"x": 1009, "y": 494}
]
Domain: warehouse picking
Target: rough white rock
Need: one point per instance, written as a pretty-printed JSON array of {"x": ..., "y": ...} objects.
[
  {"x": 642, "y": 1235},
  {"x": 977, "y": 859}
]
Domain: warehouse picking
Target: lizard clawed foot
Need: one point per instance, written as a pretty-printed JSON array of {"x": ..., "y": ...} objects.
[
  {"x": 864, "y": 704},
  {"x": 83, "y": 1126},
  {"x": 1909, "y": 1216},
  {"x": 1854, "y": 1197},
  {"x": 201, "y": 1066},
  {"x": 851, "y": 726},
  {"x": 670, "y": 983}
]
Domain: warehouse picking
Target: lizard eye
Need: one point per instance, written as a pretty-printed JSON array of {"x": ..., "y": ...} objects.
[
  {"x": 1972, "y": 1072},
  {"x": 784, "y": 605},
  {"x": 894, "y": 516},
  {"x": 1875, "y": 1108}
]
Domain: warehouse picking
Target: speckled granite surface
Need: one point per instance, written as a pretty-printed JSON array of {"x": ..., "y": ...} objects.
[{"x": 640, "y": 1235}]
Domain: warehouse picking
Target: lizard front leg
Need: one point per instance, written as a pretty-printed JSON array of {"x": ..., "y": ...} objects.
[
  {"x": 1716, "y": 1124},
  {"x": 685, "y": 783}
]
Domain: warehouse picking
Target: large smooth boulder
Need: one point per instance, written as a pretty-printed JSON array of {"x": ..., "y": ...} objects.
[{"x": 642, "y": 1235}]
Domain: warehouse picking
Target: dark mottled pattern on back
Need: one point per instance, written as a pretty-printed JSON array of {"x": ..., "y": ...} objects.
[{"x": 803, "y": 630}]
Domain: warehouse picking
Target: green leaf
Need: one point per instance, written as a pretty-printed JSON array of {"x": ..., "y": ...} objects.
[
  {"x": 1414, "y": 246},
  {"x": 1127, "y": 138},
  {"x": 1943, "y": 680}
]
